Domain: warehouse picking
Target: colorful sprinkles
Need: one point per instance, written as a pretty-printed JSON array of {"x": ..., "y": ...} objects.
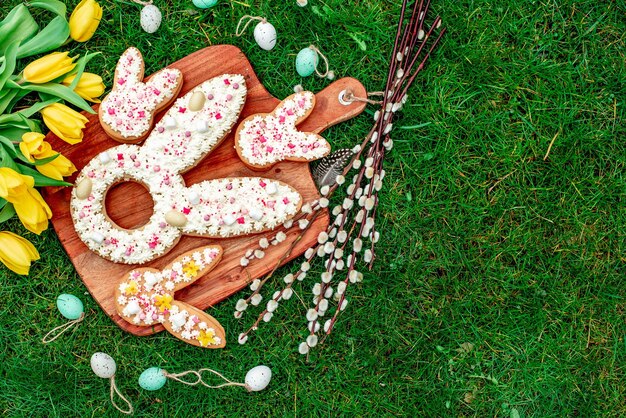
[{"x": 265, "y": 139}]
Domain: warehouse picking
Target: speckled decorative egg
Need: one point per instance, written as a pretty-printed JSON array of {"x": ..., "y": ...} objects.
[
  {"x": 103, "y": 365},
  {"x": 306, "y": 61},
  {"x": 265, "y": 35},
  {"x": 150, "y": 18},
  {"x": 152, "y": 379},
  {"x": 70, "y": 306},
  {"x": 258, "y": 378},
  {"x": 204, "y": 4}
]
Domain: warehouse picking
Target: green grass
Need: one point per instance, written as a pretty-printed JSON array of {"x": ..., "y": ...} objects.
[{"x": 498, "y": 287}]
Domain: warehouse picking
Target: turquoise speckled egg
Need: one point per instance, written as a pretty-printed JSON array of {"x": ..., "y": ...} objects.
[
  {"x": 152, "y": 379},
  {"x": 204, "y": 4},
  {"x": 306, "y": 61},
  {"x": 70, "y": 306}
]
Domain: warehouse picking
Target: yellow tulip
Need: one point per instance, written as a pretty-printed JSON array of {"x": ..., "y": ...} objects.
[
  {"x": 31, "y": 209},
  {"x": 85, "y": 20},
  {"x": 66, "y": 123},
  {"x": 13, "y": 184},
  {"x": 16, "y": 252},
  {"x": 35, "y": 148},
  {"x": 56, "y": 169},
  {"x": 48, "y": 68},
  {"x": 32, "y": 145},
  {"x": 89, "y": 86}
]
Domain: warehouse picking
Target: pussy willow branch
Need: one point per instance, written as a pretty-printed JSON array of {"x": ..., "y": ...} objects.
[{"x": 355, "y": 218}]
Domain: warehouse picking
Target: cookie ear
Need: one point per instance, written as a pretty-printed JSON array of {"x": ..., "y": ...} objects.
[
  {"x": 194, "y": 326},
  {"x": 129, "y": 69},
  {"x": 197, "y": 122}
]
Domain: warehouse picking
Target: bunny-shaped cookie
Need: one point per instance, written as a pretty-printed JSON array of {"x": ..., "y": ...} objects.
[
  {"x": 145, "y": 297},
  {"x": 194, "y": 125},
  {"x": 127, "y": 112},
  {"x": 264, "y": 139}
]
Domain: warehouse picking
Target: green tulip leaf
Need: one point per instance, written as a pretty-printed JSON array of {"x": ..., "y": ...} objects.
[
  {"x": 6, "y": 100},
  {"x": 8, "y": 66},
  {"x": 8, "y": 144},
  {"x": 9, "y": 119},
  {"x": 80, "y": 68},
  {"x": 17, "y": 26},
  {"x": 16, "y": 131},
  {"x": 6, "y": 160},
  {"x": 11, "y": 132},
  {"x": 54, "y": 6},
  {"x": 55, "y": 89},
  {"x": 51, "y": 37},
  {"x": 28, "y": 112},
  {"x": 7, "y": 212},
  {"x": 38, "y": 162},
  {"x": 3, "y": 202},
  {"x": 40, "y": 179},
  {"x": 17, "y": 120}
]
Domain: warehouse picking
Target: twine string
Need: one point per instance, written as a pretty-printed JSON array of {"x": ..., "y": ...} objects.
[
  {"x": 314, "y": 48},
  {"x": 114, "y": 390},
  {"x": 62, "y": 329},
  {"x": 349, "y": 97},
  {"x": 143, "y": 3},
  {"x": 249, "y": 19},
  {"x": 198, "y": 375}
]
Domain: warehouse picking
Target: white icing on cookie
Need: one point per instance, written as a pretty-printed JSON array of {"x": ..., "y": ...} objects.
[
  {"x": 215, "y": 208},
  {"x": 266, "y": 139},
  {"x": 129, "y": 108}
]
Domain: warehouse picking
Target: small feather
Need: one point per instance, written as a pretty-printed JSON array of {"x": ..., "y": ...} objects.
[{"x": 329, "y": 167}]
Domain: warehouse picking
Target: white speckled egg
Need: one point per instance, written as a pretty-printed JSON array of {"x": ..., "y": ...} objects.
[
  {"x": 265, "y": 35},
  {"x": 70, "y": 306},
  {"x": 152, "y": 379},
  {"x": 258, "y": 378},
  {"x": 150, "y": 18},
  {"x": 103, "y": 365}
]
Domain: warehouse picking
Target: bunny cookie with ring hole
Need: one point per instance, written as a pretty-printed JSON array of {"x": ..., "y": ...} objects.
[{"x": 193, "y": 126}]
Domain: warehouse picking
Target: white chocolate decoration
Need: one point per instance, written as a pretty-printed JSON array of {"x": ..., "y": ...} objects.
[
  {"x": 83, "y": 189},
  {"x": 128, "y": 110},
  {"x": 217, "y": 208},
  {"x": 197, "y": 101},
  {"x": 265, "y": 139}
]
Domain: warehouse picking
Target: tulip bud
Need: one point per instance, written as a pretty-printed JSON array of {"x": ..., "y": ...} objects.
[
  {"x": 65, "y": 122},
  {"x": 32, "y": 145},
  {"x": 16, "y": 252},
  {"x": 13, "y": 184},
  {"x": 31, "y": 209},
  {"x": 85, "y": 20},
  {"x": 89, "y": 86},
  {"x": 48, "y": 68},
  {"x": 56, "y": 169}
]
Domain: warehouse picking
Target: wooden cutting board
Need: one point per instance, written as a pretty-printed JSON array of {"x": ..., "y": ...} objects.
[{"x": 130, "y": 205}]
